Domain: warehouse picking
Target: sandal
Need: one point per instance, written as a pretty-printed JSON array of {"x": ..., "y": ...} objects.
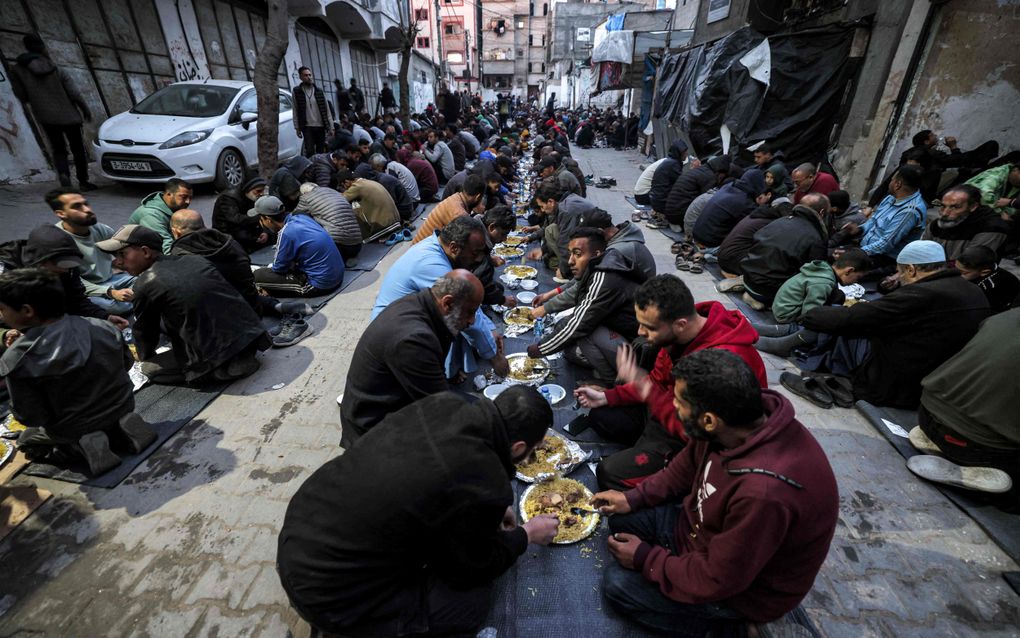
[
  {"x": 407, "y": 234},
  {"x": 676, "y": 248},
  {"x": 395, "y": 238},
  {"x": 682, "y": 263},
  {"x": 808, "y": 388},
  {"x": 696, "y": 268}
]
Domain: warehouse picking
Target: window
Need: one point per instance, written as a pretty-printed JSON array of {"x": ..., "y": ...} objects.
[
  {"x": 248, "y": 103},
  {"x": 421, "y": 15},
  {"x": 286, "y": 103},
  {"x": 531, "y": 9},
  {"x": 545, "y": 9},
  {"x": 449, "y": 28},
  {"x": 423, "y": 42},
  {"x": 455, "y": 57},
  {"x": 520, "y": 53},
  {"x": 531, "y": 40}
]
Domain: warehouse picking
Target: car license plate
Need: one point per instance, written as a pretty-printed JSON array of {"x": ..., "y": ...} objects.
[{"x": 131, "y": 166}]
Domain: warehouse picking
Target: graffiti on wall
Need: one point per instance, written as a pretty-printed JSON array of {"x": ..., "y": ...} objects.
[
  {"x": 8, "y": 124},
  {"x": 185, "y": 67}
]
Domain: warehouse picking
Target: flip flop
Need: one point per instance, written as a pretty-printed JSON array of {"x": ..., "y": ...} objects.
[
  {"x": 395, "y": 238},
  {"x": 808, "y": 387},
  {"x": 407, "y": 234},
  {"x": 696, "y": 268}
]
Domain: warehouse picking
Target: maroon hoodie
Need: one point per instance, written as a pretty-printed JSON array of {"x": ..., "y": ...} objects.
[{"x": 757, "y": 520}]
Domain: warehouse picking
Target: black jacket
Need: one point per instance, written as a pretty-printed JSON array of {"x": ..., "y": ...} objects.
[
  {"x": 687, "y": 186},
  {"x": 459, "y": 153},
  {"x": 912, "y": 331},
  {"x": 397, "y": 191},
  {"x": 494, "y": 291},
  {"x": 76, "y": 302},
  {"x": 230, "y": 216},
  {"x": 300, "y": 107},
  {"x": 207, "y": 321},
  {"x": 983, "y": 227},
  {"x": 421, "y": 496},
  {"x": 605, "y": 297},
  {"x": 740, "y": 240},
  {"x": 666, "y": 175},
  {"x": 728, "y": 206},
  {"x": 226, "y": 254},
  {"x": 387, "y": 99},
  {"x": 399, "y": 359},
  {"x": 781, "y": 248}
]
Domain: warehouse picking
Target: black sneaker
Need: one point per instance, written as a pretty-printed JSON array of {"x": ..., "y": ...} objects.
[
  {"x": 291, "y": 332},
  {"x": 133, "y": 433},
  {"x": 287, "y": 318}
]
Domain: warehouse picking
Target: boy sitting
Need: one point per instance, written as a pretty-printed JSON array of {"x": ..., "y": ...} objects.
[
  {"x": 979, "y": 264},
  {"x": 67, "y": 376},
  {"x": 817, "y": 284}
]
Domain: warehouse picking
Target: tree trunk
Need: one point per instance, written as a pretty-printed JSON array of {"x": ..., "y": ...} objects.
[
  {"x": 267, "y": 67},
  {"x": 410, "y": 34}
]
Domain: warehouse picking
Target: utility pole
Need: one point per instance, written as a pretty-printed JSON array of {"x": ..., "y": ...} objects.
[{"x": 439, "y": 45}]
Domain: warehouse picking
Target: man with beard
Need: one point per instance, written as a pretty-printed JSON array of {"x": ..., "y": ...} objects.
[
  {"x": 109, "y": 290},
  {"x": 414, "y": 550},
  {"x": 156, "y": 209},
  {"x": 456, "y": 205},
  {"x": 460, "y": 244},
  {"x": 736, "y": 528},
  {"x": 963, "y": 222},
  {"x": 230, "y": 215},
  {"x": 639, "y": 412},
  {"x": 399, "y": 358},
  {"x": 313, "y": 121}
]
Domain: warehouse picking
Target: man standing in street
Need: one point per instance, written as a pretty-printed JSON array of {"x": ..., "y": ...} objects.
[
  {"x": 387, "y": 100},
  {"x": 311, "y": 115},
  {"x": 57, "y": 106},
  {"x": 357, "y": 97}
]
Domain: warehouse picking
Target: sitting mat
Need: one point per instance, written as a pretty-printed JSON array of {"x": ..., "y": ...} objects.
[
  {"x": 1002, "y": 527},
  {"x": 370, "y": 256},
  {"x": 263, "y": 256},
  {"x": 668, "y": 232},
  {"x": 1013, "y": 578},
  {"x": 633, "y": 202},
  {"x": 166, "y": 408}
]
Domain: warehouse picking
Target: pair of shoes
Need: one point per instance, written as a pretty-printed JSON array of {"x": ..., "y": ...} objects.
[
  {"x": 940, "y": 470},
  {"x": 822, "y": 390},
  {"x": 292, "y": 329},
  {"x": 696, "y": 268},
  {"x": 636, "y": 216},
  {"x": 95, "y": 448},
  {"x": 682, "y": 263},
  {"x": 734, "y": 284},
  {"x": 676, "y": 247},
  {"x": 751, "y": 301},
  {"x": 399, "y": 236}
]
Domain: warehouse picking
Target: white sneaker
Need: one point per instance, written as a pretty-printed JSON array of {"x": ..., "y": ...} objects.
[
  {"x": 940, "y": 470},
  {"x": 733, "y": 284},
  {"x": 922, "y": 443}
]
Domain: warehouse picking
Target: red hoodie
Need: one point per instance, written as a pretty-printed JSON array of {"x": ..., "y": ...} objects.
[
  {"x": 750, "y": 540},
  {"x": 724, "y": 329}
]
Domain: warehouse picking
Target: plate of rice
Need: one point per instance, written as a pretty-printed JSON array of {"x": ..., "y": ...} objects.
[
  {"x": 554, "y": 456},
  {"x": 557, "y": 497}
]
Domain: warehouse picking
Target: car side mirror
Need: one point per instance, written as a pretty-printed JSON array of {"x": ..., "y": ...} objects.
[{"x": 247, "y": 118}]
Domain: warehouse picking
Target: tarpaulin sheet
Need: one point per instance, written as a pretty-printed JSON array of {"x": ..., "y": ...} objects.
[
  {"x": 707, "y": 86},
  {"x": 617, "y": 46},
  {"x": 610, "y": 76}
]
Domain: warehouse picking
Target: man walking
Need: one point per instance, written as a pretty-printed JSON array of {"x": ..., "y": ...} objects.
[
  {"x": 311, "y": 115},
  {"x": 57, "y": 106}
]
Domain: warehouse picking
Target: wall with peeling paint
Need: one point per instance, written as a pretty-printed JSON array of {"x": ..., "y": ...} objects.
[{"x": 969, "y": 86}]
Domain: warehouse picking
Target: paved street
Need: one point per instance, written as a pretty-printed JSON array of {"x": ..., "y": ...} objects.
[{"x": 186, "y": 545}]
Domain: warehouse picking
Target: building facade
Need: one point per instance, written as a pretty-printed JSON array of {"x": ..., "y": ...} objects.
[{"x": 118, "y": 52}]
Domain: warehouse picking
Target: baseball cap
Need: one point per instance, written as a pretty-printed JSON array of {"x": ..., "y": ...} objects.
[
  {"x": 49, "y": 243},
  {"x": 922, "y": 251},
  {"x": 131, "y": 235},
  {"x": 597, "y": 218},
  {"x": 267, "y": 205}
]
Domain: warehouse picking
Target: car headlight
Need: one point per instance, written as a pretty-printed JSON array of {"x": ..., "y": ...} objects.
[{"x": 185, "y": 139}]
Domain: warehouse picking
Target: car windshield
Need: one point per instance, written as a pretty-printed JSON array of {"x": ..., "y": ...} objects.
[{"x": 187, "y": 100}]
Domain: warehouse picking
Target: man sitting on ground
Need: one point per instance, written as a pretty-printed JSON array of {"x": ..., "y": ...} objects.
[
  {"x": 963, "y": 222},
  {"x": 603, "y": 317},
  {"x": 429, "y": 538},
  {"x": 692, "y": 183},
  {"x": 979, "y": 265},
  {"x": 400, "y": 356},
  {"x": 807, "y": 179},
  {"x": 566, "y": 210},
  {"x": 376, "y": 211},
  {"x": 665, "y": 177},
  {"x": 460, "y": 244},
  {"x": 462, "y": 203},
  {"x": 191, "y": 237},
  {"x": 307, "y": 262},
  {"x": 156, "y": 208},
  {"x": 968, "y": 409},
  {"x": 67, "y": 377},
  {"x": 888, "y": 345},
  {"x": 336, "y": 216},
  {"x": 424, "y": 173},
  {"x": 782, "y": 247},
  {"x": 109, "y": 290},
  {"x": 214, "y": 334},
  {"x": 438, "y": 153},
  {"x": 644, "y": 183},
  {"x": 230, "y": 215},
  {"x": 898, "y": 220},
  {"x": 735, "y": 529},
  {"x": 401, "y": 199},
  {"x": 675, "y": 326},
  {"x": 728, "y": 206}
]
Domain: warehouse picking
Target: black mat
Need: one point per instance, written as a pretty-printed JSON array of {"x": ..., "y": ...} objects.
[
  {"x": 1002, "y": 527},
  {"x": 166, "y": 408},
  {"x": 633, "y": 202},
  {"x": 1013, "y": 578}
]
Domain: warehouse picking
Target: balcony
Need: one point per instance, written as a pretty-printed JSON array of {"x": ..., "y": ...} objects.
[{"x": 372, "y": 20}]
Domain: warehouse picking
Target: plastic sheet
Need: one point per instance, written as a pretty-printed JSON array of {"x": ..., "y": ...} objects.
[
  {"x": 617, "y": 46},
  {"x": 702, "y": 88}
]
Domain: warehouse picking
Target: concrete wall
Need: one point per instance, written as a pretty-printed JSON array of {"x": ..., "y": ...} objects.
[{"x": 969, "y": 86}]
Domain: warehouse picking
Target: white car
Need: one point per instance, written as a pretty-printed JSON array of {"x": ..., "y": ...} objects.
[{"x": 199, "y": 131}]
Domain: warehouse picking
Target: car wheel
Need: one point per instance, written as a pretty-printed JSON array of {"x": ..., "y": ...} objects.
[{"x": 230, "y": 170}]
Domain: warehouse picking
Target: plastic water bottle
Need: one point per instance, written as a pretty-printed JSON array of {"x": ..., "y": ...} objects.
[
  {"x": 539, "y": 326},
  {"x": 546, "y": 394}
]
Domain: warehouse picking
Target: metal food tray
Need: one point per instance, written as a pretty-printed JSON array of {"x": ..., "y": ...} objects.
[
  {"x": 593, "y": 522},
  {"x": 576, "y": 456},
  {"x": 539, "y": 380}
]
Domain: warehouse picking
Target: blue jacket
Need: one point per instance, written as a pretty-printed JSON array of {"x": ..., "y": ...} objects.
[
  {"x": 306, "y": 247},
  {"x": 893, "y": 225},
  {"x": 418, "y": 269}
]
